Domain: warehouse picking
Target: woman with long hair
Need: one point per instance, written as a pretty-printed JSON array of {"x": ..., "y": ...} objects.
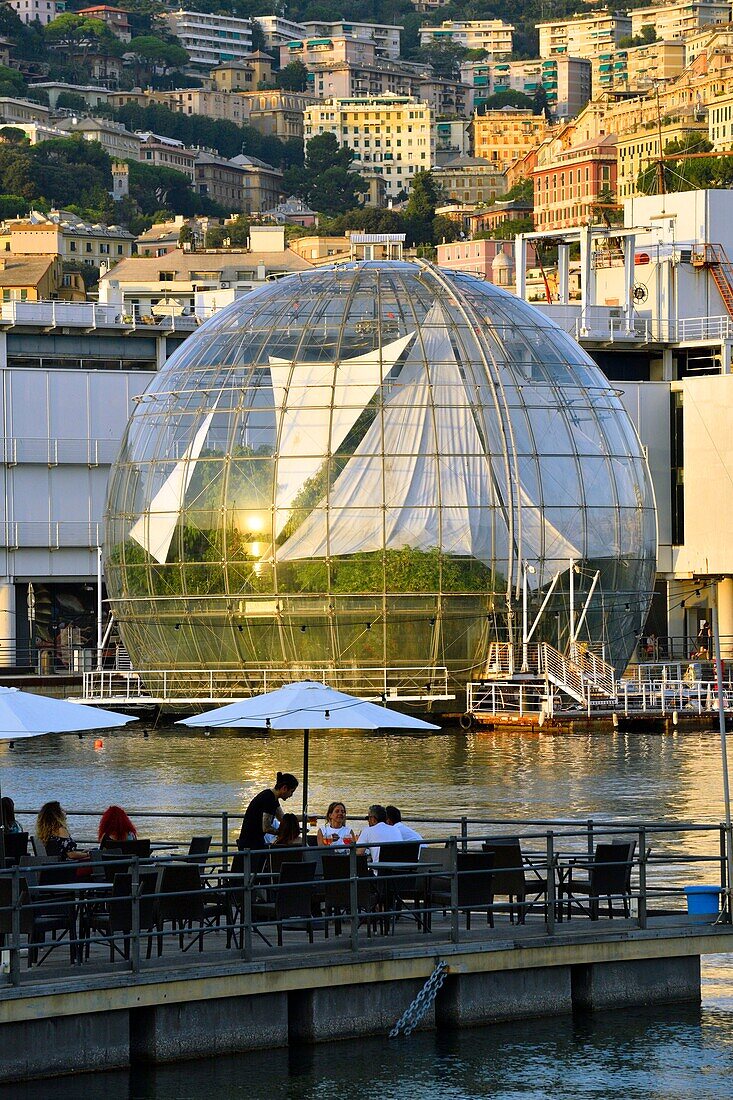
[
  {"x": 114, "y": 824},
  {"x": 8, "y": 812},
  {"x": 53, "y": 832},
  {"x": 288, "y": 834},
  {"x": 335, "y": 830}
]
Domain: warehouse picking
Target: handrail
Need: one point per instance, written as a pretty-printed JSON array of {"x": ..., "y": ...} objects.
[
  {"x": 599, "y": 673},
  {"x": 563, "y": 673}
]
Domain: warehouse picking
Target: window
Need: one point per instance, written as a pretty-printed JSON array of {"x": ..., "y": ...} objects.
[{"x": 165, "y": 276}]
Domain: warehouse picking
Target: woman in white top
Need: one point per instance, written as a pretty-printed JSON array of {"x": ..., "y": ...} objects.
[{"x": 335, "y": 830}]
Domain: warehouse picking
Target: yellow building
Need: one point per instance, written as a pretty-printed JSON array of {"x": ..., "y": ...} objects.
[
  {"x": 391, "y": 136},
  {"x": 38, "y": 278},
  {"x": 639, "y": 150},
  {"x": 243, "y": 76},
  {"x": 505, "y": 136},
  {"x": 61, "y": 233}
]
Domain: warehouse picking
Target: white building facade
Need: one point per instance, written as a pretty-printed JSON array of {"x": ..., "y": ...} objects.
[{"x": 211, "y": 39}]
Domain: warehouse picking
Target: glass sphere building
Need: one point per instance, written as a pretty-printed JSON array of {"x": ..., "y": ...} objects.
[{"x": 354, "y": 468}]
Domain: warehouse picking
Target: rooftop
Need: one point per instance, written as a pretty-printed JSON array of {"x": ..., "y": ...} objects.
[{"x": 182, "y": 264}]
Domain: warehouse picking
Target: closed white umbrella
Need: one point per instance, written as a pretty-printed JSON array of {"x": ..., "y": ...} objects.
[
  {"x": 306, "y": 705},
  {"x": 23, "y": 714}
]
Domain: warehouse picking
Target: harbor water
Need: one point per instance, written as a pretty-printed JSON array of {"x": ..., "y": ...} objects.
[{"x": 675, "y": 1052}]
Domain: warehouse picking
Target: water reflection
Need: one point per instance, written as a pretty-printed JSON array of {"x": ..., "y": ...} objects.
[{"x": 670, "y": 1053}]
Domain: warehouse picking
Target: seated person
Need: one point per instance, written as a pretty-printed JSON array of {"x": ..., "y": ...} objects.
[
  {"x": 115, "y": 825},
  {"x": 394, "y": 817},
  {"x": 9, "y": 820},
  {"x": 288, "y": 833},
  {"x": 53, "y": 832},
  {"x": 377, "y": 832},
  {"x": 335, "y": 830}
]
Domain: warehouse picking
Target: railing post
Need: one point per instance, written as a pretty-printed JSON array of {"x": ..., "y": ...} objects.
[
  {"x": 246, "y": 940},
  {"x": 464, "y": 834},
  {"x": 225, "y": 839},
  {"x": 590, "y": 839},
  {"x": 135, "y": 931},
  {"x": 551, "y": 900},
  {"x": 642, "y": 878},
  {"x": 453, "y": 845},
  {"x": 353, "y": 899},
  {"x": 15, "y": 926},
  {"x": 723, "y": 875}
]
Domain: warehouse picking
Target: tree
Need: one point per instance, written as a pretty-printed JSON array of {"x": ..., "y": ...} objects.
[
  {"x": 293, "y": 78},
  {"x": 686, "y": 174},
  {"x": 540, "y": 106},
  {"x": 79, "y": 36},
  {"x": 444, "y": 58},
  {"x": 152, "y": 57},
  {"x": 258, "y": 35},
  {"x": 326, "y": 180},
  {"x": 505, "y": 99},
  {"x": 13, "y": 135},
  {"x": 420, "y": 209}
]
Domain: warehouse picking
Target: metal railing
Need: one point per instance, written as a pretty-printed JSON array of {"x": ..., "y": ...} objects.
[
  {"x": 231, "y": 909},
  {"x": 563, "y": 673},
  {"x": 93, "y": 315},
  {"x": 408, "y": 683},
  {"x": 598, "y": 673},
  {"x": 47, "y": 451},
  {"x": 50, "y": 535}
]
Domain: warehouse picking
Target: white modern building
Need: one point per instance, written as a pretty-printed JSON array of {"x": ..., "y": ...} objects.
[
  {"x": 278, "y": 31},
  {"x": 211, "y": 39},
  {"x": 492, "y": 35},
  {"x": 583, "y": 35},
  {"x": 677, "y": 20}
]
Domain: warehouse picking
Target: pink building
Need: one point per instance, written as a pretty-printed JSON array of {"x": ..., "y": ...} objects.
[
  {"x": 573, "y": 183},
  {"x": 489, "y": 259}
]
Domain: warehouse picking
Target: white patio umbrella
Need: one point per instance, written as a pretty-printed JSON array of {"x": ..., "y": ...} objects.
[
  {"x": 23, "y": 714},
  {"x": 306, "y": 705}
]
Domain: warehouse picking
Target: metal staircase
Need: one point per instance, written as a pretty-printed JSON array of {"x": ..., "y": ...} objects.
[{"x": 714, "y": 257}]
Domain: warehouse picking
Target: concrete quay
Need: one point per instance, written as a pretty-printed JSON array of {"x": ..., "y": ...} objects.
[{"x": 68, "y": 1021}]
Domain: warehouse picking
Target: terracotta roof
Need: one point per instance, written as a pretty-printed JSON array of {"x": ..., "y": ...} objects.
[
  {"x": 24, "y": 270},
  {"x": 182, "y": 263}
]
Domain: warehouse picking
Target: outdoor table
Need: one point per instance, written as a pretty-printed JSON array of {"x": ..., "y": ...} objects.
[{"x": 85, "y": 893}]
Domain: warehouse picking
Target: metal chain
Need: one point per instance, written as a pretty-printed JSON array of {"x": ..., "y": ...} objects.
[{"x": 414, "y": 1013}]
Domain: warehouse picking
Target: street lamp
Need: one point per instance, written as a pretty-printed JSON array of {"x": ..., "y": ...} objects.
[{"x": 526, "y": 568}]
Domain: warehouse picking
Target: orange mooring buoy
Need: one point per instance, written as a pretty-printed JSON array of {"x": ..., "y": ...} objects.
[{"x": 99, "y": 743}]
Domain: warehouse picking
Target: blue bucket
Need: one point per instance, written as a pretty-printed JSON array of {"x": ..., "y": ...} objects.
[{"x": 703, "y": 902}]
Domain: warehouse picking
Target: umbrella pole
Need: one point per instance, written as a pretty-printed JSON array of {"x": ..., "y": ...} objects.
[
  {"x": 2, "y": 832},
  {"x": 306, "y": 735}
]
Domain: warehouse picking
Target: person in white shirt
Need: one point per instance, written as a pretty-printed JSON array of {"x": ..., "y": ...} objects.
[
  {"x": 394, "y": 817},
  {"x": 377, "y": 832}
]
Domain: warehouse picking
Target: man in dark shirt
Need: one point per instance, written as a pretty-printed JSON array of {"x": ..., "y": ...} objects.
[{"x": 263, "y": 809}]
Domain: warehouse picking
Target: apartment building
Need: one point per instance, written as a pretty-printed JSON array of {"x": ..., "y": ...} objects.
[
  {"x": 505, "y": 135},
  {"x": 583, "y": 35},
  {"x": 278, "y": 30},
  {"x": 493, "y": 35},
  {"x": 570, "y": 183},
  {"x": 165, "y": 152},
  {"x": 720, "y": 123},
  {"x": 637, "y": 68},
  {"x": 386, "y": 38},
  {"x": 61, "y": 233},
  {"x": 677, "y": 20},
  {"x": 641, "y": 149},
  {"x": 314, "y": 53},
  {"x": 452, "y": 139},
  {"x": 566, "y": 80},
  {"x": 211, "y": 39},
  {"x": 36, "y": 11},
  {"x": 349, "y": 80},
  {"x": 471, "y": 181},
  {"x": 391, "y": 136},
  {"x": 22, "y": 110}
]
